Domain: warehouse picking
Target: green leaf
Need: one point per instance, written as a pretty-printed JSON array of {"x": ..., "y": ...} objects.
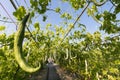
[
  {"x": 76, "y": 4},
  {"x": 94, "y": 8},
  {"x": 37, "y": 26},
  {"x": 2, "y": 28},
  {"x": 2, "y": 37},
  {"x": 44, "y": 18},
  {"x": 1, "y": 52},
  {"x": 20, "y": 13},
  {"x": 89, "y": 12},
  {"x": 117, "y": 9},
  {"x": 57, "y": 10},
  {"x": 66, "y": 15}
]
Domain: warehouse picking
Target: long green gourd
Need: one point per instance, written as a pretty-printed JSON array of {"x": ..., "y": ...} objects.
[{"x": 18, "y": 41}]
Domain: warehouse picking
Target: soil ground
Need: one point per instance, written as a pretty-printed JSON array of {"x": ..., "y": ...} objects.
[{"x": 58, "y": 71}]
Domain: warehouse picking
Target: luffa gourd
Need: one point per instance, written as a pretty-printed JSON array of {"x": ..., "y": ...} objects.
[{"x": 18, "y": 41}]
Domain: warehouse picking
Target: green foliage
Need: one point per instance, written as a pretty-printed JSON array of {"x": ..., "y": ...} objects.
[
  {"x": 40, "y": 6},
  {"x": 90, "y": 56},
  {"x": 20, "y": 13},
  {"x": 8, "y": 64},
  {"x": 117, "y": 9},
  {"x": 2, "y": 28},
  {"x": 109, "y": 24},
  {"x": 37, "y": 26},
  {"x": 57, "y": 10},
  {"x": 2, "y": 37},
  {"x": 44, "y": 18},
  {"x": 66, "y": 15},
  {"x": 76, "y": 4}
]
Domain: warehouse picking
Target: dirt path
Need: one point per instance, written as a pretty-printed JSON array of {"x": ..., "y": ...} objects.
[
  {"x": 48, "y": 73},
  {"x": 52, "y": 73}
]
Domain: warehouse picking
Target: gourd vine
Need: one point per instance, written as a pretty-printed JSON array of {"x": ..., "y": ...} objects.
[{"x": 19, "y": 36}]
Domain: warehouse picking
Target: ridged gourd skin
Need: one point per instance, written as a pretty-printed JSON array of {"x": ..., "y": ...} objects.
[{"x": 18, "y": 41}]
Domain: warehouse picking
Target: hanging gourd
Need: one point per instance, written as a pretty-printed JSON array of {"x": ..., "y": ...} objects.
[
  {"x": 67, "y": 54},
  {"x": 70, "y": 52},
  {"x": 18, "y": 40}
]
